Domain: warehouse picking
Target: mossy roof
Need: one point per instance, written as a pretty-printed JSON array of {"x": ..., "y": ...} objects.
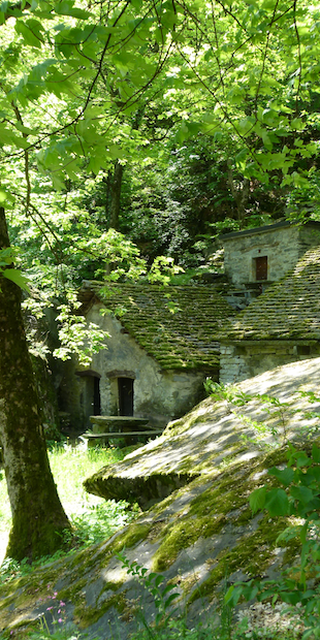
[
  {"x": 289, "y": 309},
  {"x": 176, "y": 325}
]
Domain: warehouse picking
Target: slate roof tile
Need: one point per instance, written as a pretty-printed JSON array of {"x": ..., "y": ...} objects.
[
  {"x": 186, "y": 339},
  {"x": 288, "y": 309}
]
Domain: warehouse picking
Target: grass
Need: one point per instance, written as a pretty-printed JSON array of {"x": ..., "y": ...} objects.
[{"x": 93, "y": 517}]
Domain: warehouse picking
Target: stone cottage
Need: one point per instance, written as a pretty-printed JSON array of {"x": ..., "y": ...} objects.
[
  {"x": 255, "y": 258},
  {"x": 162, "y": 345},
  {"x": 164, "y": 341},
  {"x": 280, "y": 326}
]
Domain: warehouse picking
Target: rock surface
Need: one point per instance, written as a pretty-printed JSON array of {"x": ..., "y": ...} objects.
[
  {"x": 213, "y": 433},
  {"x": 196, "y": 528}
]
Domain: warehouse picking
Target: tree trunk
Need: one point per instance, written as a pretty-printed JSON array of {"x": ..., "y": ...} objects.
[
  {"x": 241, "y": 196},
  {"x": 38, "y": 518}
]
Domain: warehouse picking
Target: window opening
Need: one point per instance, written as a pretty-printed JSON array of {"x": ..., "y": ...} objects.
[
  {"x": 261, "y": 268},
  {"x": 125, "y": 388}
]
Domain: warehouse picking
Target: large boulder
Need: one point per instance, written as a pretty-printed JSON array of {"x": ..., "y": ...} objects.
[{"x": 195, "y": 525}]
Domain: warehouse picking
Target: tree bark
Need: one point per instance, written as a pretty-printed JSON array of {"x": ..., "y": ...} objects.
[{"x": 38, "y": 518}]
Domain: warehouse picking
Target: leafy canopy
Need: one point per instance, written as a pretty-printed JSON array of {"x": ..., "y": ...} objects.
[{"x": 86, "y": 85}]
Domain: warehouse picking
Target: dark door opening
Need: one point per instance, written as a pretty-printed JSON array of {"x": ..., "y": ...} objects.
[
  {"x": 261, "y": 268},
  {"x": 96, "y": 397},
  {"x": 125, "y": 387}
]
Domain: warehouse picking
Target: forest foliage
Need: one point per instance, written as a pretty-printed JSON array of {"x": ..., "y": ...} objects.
[{"x": 133, "y": 129}]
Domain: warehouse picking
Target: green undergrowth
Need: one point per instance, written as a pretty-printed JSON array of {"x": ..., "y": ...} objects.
[{"x": 176, "y": 629}]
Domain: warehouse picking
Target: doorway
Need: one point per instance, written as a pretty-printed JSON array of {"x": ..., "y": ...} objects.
[
  {"x": 125, "y": 390},
  {"x": 261, "y": 268},
  {"x": 96, "y": 397},
  {"x": 89, "y": 388}
]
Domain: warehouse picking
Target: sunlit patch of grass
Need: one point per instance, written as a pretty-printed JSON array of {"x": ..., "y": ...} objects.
[
  {"x": 92, "y": 516},
  {"x": 71, "y": 465}
]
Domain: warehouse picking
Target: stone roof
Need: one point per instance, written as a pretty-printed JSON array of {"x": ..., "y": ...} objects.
[
  {"x": 176, "y": 325},
  {"x": 312, "y": 224},
  {"x": 289, "y": 309}
]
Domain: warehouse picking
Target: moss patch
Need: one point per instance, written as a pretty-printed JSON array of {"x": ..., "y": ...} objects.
[
  {"x": 252, "y": 555},
  {"x": 85, "y": 616},
  {"x": 208, "y": 512},
  {"x": 181, "y": 536},
  {"x": 135, "y": 533},
  {"x": 181, "y": 336}
]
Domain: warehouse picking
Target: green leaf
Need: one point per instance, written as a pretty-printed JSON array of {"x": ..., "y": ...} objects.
[
  {"x": 316, "y": 453},
  {"x": 250, "y": 590},
  {"x": 301, "y": 493},
  {"x": 81, "y": 14},
  {"x": 246, "y": 125},
  {"x": 115, "y": 152},
  {"x": 277, "y": 502},
  {"x": 183, "y": 133},
  {"x": 229, "y": 596},
  {"x": 17, "y": 277},
  {"x": 234, "y": 593},
  {"x": 284, "y": 475},
  {"x": 257, "y": 499},
  {"x": 292, "y": 597},
  {"x": 167, "y": 589},
  {"x": 169, "y": 600},
  {"x": 236, "y": 95},
  {"x": 28, "y": 36},
  {"x": 302, "y": 459},
  {"x": 270, "y": 117},
  {"x": 40, "y": 70},
  {"x": 94, "y": 164},
  {"x": 297, "y": 124},
  {"x": 25, "y": 130},
  {"x": 36, "y": 27},
  {"x": 158, "y": 580},
  {"x": 66, "y": 8}
]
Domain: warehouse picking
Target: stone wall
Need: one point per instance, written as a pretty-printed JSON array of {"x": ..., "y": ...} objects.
[
  {"x": 283, "y": 244},
  {"x": 247, "y": 359}
]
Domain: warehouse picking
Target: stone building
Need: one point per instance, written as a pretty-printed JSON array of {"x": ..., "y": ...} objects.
[
  {"x": 162, "y": 345},
  {"x": 164, "y": 341},
  {"x": 256, "y": 257},
  {"x": 280, "y": 326}
]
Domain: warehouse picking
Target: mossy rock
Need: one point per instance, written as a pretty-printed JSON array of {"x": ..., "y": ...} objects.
[{"x": 201, "y": 532}]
